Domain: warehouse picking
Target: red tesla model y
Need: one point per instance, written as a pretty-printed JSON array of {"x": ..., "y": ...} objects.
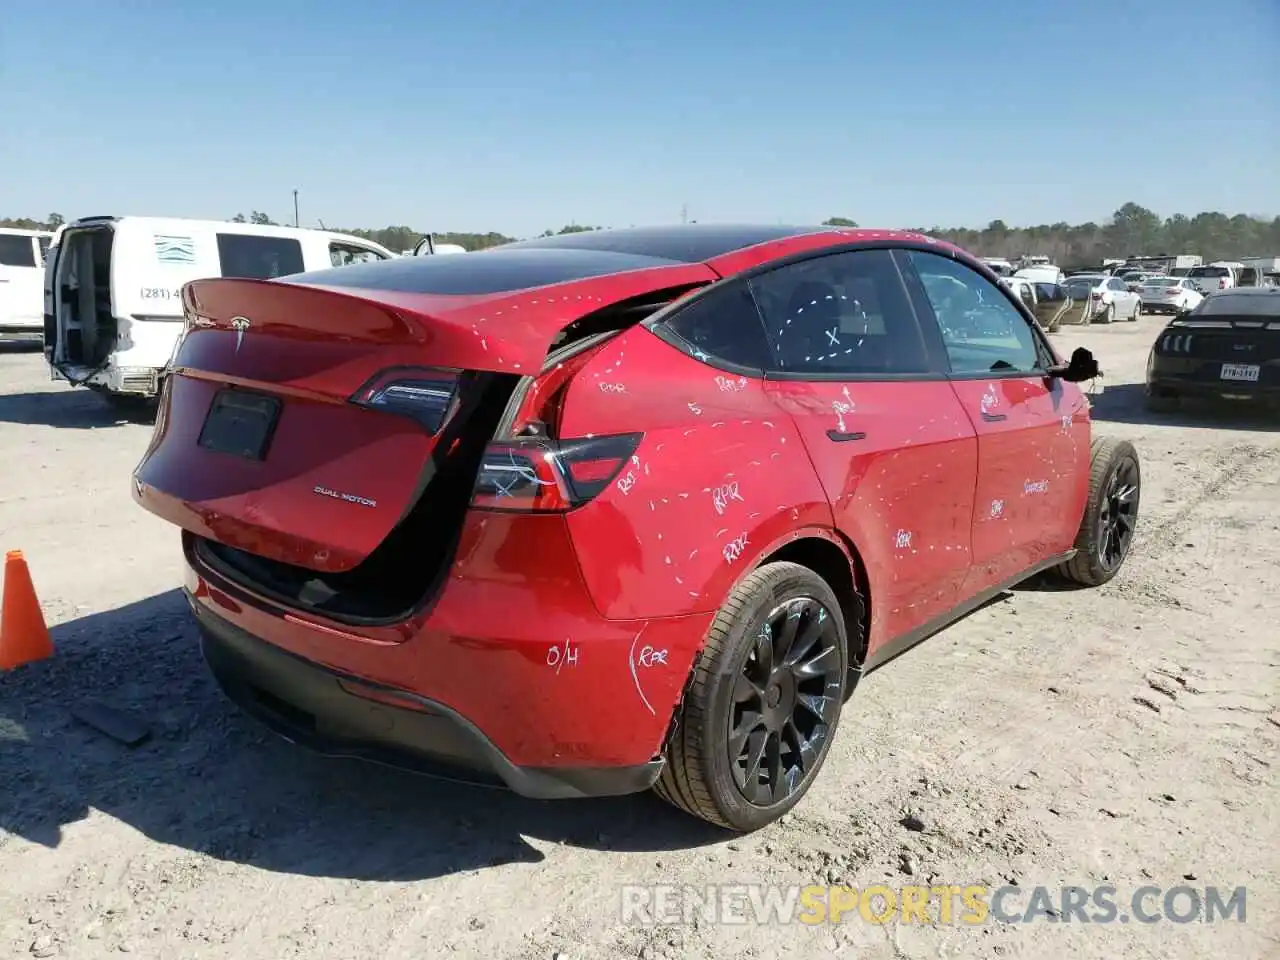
[{"x": 596, "y": 513}]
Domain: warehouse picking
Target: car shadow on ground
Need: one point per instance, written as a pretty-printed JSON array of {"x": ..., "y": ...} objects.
[
  {"x": 209, "y": 780},
  {"x": 1126, "y": 403},
  {"x": 69, "y": 409}
]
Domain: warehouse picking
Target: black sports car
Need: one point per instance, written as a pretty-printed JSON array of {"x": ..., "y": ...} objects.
[{"x": 1227, "y": 347}]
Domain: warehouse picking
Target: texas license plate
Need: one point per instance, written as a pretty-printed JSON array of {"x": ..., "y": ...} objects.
[{"x": 1240, "y": 371}]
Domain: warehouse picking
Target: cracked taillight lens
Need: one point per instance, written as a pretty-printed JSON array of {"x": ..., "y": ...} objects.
[{"x": 542, "y": 475}]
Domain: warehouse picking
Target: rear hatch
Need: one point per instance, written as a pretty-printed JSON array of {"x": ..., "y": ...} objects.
[
  {"x": 1160, "y": 290},
  {"x": 324, "y": 442}
]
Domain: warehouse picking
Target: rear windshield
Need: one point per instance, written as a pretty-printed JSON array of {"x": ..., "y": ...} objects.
[
  {"x": 247, "y": 257},
  {"x": 499, "y": 270},
  {"x": 1209, "y": 272},
  {"x": 1265, "y": 304},
  {"x": 16, "y": 251}
]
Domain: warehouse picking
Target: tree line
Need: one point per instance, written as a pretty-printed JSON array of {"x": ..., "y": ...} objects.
[{"x": 1133, "y": 230}]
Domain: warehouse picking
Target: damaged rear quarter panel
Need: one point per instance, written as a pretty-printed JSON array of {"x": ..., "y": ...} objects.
[{"x": 720, "y": 476}]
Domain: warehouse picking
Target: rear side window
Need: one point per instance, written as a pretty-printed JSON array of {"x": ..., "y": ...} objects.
[
  {"x": 16, "y": 251},
  {"x": 844, "y": 314},
  {"x": 723, "y": 325},
  {"x": 247, "y": 257}
]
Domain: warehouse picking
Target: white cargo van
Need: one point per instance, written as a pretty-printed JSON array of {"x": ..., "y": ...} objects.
[
  {"x": 22, "y": 255},
  {"x": 113, "y": 296}
]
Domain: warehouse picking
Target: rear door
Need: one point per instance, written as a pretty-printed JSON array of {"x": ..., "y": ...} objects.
[
  {"x": 1032, "y": 429},
  {"x": 891, "y": 444},
  {"x": 1121, "y": 297}
]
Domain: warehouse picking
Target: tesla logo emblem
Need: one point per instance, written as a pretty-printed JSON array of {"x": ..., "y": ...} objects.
[{"x": 239, "y": 325}]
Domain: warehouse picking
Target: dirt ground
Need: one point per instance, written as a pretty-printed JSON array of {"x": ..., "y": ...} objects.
[{"x": 1123, "y": 736}]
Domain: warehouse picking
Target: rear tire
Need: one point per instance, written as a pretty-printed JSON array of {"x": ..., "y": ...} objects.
[
  {"x": 779, "y": 610},
  {"x": 1110, "y": 513},
  {"x": 1137, "y": 312},
  {"x": 1109, "y": 315}
]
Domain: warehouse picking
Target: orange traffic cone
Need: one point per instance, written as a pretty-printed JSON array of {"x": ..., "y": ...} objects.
[{"x": 24, "y": 636}]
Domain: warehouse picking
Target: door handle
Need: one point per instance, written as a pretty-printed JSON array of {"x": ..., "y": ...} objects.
[
  {"x": 839, "y": 436},
  {"x": 994, "y": 417}
]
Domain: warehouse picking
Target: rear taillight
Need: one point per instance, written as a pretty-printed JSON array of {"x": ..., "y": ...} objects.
[
  {"x": 424, "y": 395},
  {"x": 1222, "y": 283},
  {"x": 538, "y": 474}
]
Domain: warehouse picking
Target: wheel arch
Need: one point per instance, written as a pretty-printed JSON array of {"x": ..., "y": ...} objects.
[{"x": 836, "y": 559}]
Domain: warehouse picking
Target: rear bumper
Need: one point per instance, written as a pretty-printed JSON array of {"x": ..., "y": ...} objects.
[
  {"x": 135, "y": 381},
  {"x": 1194, "y": 377},
  {"x": 315, "y": 707},
  {"x": 510, "y": 676}
]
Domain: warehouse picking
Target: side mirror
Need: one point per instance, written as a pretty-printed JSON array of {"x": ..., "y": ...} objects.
[{"x": 1081, "y": 367}]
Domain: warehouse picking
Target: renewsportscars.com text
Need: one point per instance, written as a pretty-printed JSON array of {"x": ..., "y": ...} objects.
[{"x": 672, "y": 904}]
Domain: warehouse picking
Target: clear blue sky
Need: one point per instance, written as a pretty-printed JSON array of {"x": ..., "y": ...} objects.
[{"x": 518, "y": 117}]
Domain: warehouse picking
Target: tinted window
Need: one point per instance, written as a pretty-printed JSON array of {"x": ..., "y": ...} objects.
[
  {"x": 45, "y": 244},
  {"x": 983, "y": 331},
  {"x": 1209, "y": 272},
  {"x": 258, "y": 258},
  {"x": 723, "y": 325},
  {"x": 846, "y": 313},
  {"x": 16, "y": 251},
  {"x": 1261, "y": 304}
]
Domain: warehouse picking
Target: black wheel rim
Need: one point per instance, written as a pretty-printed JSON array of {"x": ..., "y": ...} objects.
[
  {"x": 786, "y": 699},
  {"x": 1119, "y": 514}
]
